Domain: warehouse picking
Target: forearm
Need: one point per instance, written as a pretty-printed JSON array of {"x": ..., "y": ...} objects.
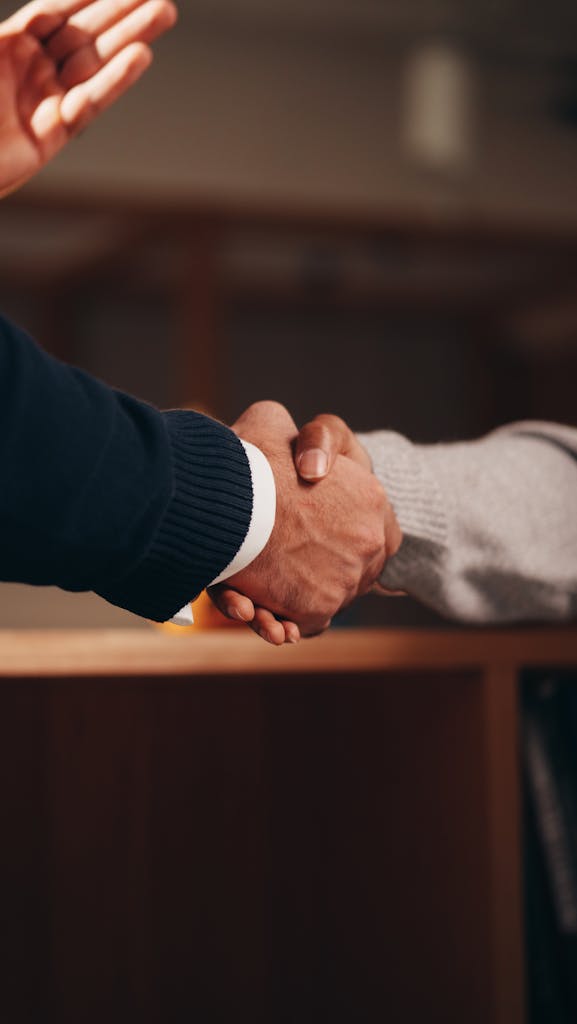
[
  {"x": 99, "y": 491},
  {"x": 490, "y": 529}
]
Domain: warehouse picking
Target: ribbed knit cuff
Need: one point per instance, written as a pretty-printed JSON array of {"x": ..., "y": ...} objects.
[
  {"x": 203, "y": 525},
  {"x": 416, "y": 500}
]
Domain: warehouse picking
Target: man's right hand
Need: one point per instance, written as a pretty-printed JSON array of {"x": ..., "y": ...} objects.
[{"x": 328, "y": 545}]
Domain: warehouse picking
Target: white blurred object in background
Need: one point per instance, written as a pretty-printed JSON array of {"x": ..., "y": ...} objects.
[{"x": 438, "y": 108}]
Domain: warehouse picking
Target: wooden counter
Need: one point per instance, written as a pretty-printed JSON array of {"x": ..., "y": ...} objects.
[
  {"x": 48, "y": 653},
  {"x": 205, "y": 828}
]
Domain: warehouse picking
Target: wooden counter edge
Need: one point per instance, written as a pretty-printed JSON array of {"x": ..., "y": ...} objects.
[{"x": 49, "y": 653}]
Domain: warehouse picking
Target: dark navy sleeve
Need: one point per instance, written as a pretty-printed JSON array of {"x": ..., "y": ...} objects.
[{"x": 99, "y": 491}]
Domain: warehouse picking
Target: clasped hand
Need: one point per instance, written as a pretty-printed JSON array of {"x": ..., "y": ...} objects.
[{"x": 330, "y": 538}]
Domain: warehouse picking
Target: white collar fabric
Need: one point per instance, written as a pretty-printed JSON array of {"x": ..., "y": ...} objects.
[{"x": 260, "y": 527}]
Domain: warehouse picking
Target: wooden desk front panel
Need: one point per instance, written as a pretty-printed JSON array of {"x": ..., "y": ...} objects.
[{"x": 269, "y": 850}]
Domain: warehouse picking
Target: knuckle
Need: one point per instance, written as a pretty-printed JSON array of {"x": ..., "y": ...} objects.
[
  {"x": 333, "y": 427},
  {"x": 314, "y": 627},
  {"x": 370, "y": 539},
  {"x": 264, "y": 407},
  {"x": 331, "y": 421}
]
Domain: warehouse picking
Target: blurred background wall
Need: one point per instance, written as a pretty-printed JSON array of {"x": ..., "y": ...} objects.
[
  {"x": 356, "y": 206},
  {"x": 303, "y": 101}
]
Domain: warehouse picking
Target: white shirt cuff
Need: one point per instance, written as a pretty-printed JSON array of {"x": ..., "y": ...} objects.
[{"x": 260, "y": 527}]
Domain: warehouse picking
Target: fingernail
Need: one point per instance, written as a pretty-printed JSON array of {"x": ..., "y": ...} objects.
[
  {"x": 234, "y": 613},
  {"x": 291, "y": 639},
  {"x": 313, "y": 463}
]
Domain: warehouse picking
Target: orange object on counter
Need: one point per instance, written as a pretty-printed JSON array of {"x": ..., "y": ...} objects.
[{"x": 206, "y": 616}]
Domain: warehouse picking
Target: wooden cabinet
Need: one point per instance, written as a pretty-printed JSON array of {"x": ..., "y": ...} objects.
[{"x": 208, "y": 829}]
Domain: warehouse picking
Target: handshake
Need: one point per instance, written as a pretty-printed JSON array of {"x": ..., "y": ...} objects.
[{"x": 333, "y": 532}]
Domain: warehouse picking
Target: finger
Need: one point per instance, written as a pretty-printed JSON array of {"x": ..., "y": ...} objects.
[
  {"x": 85, "y": 101},
  {"x": 292, "y": 632},
  {"x": 267, "y": 627},
  {"x": 143, "y": 25},
  {"x": 240, "y": 608},
  {"x": 393, "y": 532},
  {"x": 87, "y": 24},
  {"x": 320, "y": 441},
  {"x": 377, "y": 588},
  {"x": 318, "y": 445},
  {"x": 43, "y": 17},
  {"x": 232, "y": 604}
]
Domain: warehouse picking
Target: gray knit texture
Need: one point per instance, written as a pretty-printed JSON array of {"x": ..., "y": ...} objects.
[{"x": 490, "y": 526}]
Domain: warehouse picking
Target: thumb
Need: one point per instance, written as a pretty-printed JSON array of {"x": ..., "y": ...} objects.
[{"x": 320, "y": 441}]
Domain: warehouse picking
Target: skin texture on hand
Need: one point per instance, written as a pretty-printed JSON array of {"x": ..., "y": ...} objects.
[
  {"x": 318, "y": 445},
  {"x": 320, "y": 441},
  {"x": 315, "y": 450},
  {"x": 61, "y": 63},
  {"x": 328, "y": 543}
]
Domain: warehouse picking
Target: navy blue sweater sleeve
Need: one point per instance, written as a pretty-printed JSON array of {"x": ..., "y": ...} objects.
[{"x": 99, "y": 491}]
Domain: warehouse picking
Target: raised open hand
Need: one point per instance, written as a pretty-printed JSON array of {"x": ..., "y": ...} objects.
[{"x": 61, "y": 63}]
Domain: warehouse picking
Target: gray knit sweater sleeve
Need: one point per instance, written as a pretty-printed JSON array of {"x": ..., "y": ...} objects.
[{"x": 490, "y": 526}]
